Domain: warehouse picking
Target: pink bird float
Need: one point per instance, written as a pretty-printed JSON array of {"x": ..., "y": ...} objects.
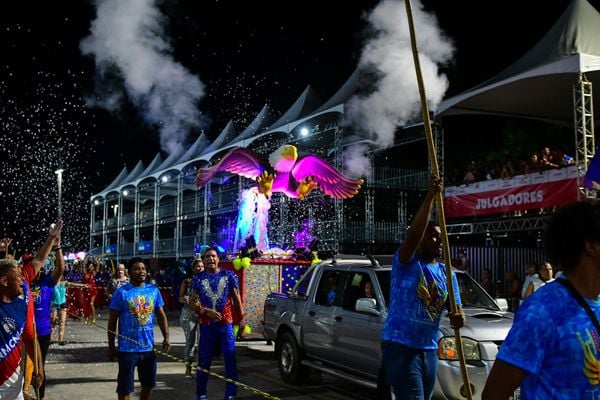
[{"x": 284, "y": 172}]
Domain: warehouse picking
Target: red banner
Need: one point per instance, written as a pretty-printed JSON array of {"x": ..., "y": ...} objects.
[{"x": 512, "y": 197}]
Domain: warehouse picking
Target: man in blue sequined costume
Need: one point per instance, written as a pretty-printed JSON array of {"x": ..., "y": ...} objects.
[{"x": 214, "y": 292}]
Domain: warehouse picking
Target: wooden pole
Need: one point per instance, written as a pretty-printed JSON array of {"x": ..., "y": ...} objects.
[
  {"x": 24, "y": 357},
  {"x": 36, "y": 345},
  {"x": 439, "y": 196}
]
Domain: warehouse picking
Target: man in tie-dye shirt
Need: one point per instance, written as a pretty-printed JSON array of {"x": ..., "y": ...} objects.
[
  {"x": 418, "y": 295},
  {"x": 553, "y": 348},
  {"x": 134, "y": 306}
]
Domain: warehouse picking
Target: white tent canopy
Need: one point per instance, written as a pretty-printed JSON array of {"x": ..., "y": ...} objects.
[{"x": 540, "y": 84}]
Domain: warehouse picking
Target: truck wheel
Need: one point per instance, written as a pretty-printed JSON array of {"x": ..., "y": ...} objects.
[{"x": 289, "y": 360}]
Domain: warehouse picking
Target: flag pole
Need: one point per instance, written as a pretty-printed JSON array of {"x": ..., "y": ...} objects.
[
  {"x": 439, "y": 197},
  {"x": 35, "y": 360}
]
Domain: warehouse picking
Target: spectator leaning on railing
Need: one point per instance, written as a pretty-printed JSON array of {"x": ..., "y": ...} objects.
[{"x": 510, "y": 165}]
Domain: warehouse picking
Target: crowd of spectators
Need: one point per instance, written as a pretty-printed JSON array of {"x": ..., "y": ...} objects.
[
  {"x": 508, "y": 166},
  {"x": 167, "y": 278}
]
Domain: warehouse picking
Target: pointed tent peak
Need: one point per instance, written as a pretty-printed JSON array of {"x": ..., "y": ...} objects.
[
  {"x": 226, "y": 135},
  {"x": 576, "y": 31},
  {"x": 195, "y": 149},
  {"x": 539, "y": 85},
  {"x": 583, "y": 20},
  {"x": 118, "y": 180},
  {"x": 306, "y": 103},
  {"x": 347, "y": 90},
  {"x": 135, "y": 172},
  {"x": 156, "y": 161},
  {"x": 262, "y": 119},
  {"x": 170, "y": 160}
]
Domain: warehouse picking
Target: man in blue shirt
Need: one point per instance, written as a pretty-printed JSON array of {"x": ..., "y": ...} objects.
[
  {"x": 134, "y": 306},
  {"x": 553, "y": 348},
  {"x": 418, "y": 294},
  {"x": 42, "y": 289}
]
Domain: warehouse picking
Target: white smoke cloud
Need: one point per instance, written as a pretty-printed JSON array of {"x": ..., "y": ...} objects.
[
  {"x": 355, "y": 161},
  {"x": 127, "y": 37},
  {"x": 395, "y": 99}
]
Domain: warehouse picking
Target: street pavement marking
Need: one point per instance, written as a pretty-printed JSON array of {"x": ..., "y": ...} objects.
[{"x": 195, "y": 366}]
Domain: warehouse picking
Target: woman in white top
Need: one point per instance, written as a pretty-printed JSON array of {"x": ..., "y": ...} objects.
[
  {"x": 545, "y": 276},
  {"x": 119, "y": 279}
]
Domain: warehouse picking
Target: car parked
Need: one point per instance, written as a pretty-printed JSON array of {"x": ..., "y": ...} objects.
[{"x": 328, "y": 323}]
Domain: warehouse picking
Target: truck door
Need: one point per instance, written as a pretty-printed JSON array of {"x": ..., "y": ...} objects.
[
  {"x": 356, "y": 335},
  {"x": 318, "y": 317}
]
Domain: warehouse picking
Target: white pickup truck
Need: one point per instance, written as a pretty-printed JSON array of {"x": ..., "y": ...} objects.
[{"x": 327, "y": 323}]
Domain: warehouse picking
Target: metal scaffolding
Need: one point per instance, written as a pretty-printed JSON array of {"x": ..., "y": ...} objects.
[{"x": 583, "y": 105}]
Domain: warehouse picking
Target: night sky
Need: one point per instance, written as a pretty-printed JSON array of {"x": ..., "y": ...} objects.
[{"x": 60, "y": 109}]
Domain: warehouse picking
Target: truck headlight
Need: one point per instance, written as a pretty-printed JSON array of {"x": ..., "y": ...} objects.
[{"x": 447, "y": 349}]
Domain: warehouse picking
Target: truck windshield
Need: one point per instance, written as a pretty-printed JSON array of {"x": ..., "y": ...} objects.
[
  {"x": 384, "y": 282},
  {"x": 301, "y": 288},
  {"x": 471, "y": 293}
]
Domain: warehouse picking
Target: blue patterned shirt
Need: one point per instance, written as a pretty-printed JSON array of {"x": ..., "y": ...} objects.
[
  {"x": 418, "y": 295},
  {"x": 554, "y": 341},
  {"x": 136, "y": 306},
  {"x": 42, "y": 291}
]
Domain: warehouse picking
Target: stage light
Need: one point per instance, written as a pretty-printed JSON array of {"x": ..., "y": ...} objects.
[
  {"x": 125, "y": 192},
  {"x": 96, "y": 202},
  {"x": 304, "y": 131}
]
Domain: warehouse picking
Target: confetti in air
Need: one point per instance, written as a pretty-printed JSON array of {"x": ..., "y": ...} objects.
[
  {"x": 236, "y": 97},
  {"x": 44, "y": 128}
]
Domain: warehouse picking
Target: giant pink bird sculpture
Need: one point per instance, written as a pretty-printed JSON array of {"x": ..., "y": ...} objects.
[{"x": 284, "y": 172}]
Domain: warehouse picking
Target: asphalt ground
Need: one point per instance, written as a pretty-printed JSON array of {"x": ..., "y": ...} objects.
[{"x": 80, "y": 369}]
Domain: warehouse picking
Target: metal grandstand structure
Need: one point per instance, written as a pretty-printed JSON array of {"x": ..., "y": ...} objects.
[{"x": 155, "y": 210}]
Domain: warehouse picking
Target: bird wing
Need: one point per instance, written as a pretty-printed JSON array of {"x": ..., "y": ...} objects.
[
  {"x": 330, "y": 181},
  {"x": 239, "y": 161}
]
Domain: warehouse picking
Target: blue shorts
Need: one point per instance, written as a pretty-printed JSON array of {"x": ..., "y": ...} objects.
[{"x": 146, "y": 365}]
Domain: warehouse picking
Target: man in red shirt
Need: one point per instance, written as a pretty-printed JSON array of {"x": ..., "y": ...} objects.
[{"x": 17, "y": 315}]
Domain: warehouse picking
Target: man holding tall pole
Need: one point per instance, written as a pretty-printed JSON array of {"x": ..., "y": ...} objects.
[
  {"x": 418, "y": 295},
  {"x": 439, "y": 235}
]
